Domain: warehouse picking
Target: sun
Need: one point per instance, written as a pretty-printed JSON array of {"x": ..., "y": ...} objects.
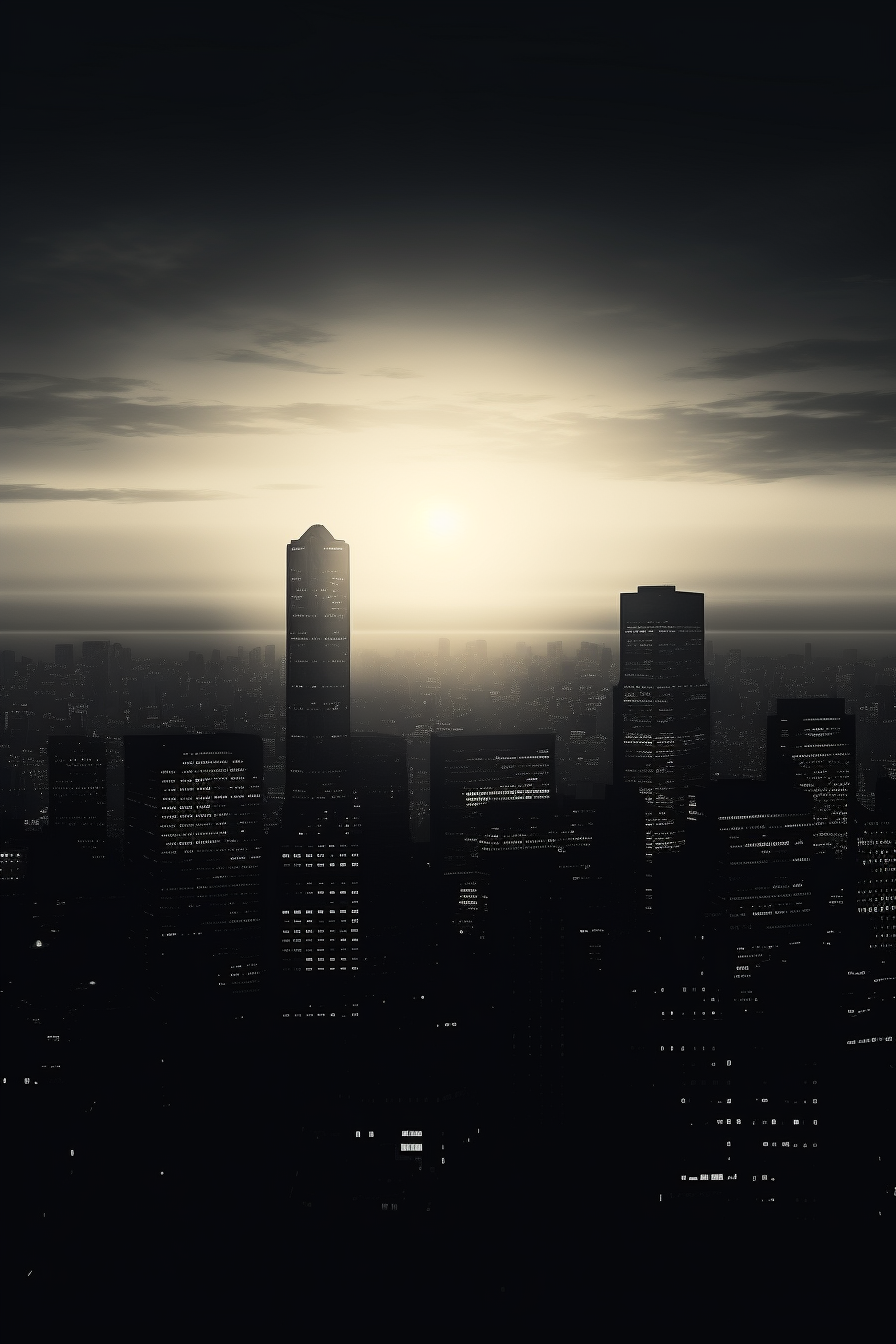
[{"x": 443, "y": 521}]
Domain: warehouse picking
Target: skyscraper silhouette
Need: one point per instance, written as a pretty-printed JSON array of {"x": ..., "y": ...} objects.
[
  {"x": 661, "y": 725},
  {"x": 317, "y": 675},
  {"x": 812, "y": 744},
  {"x": 76, "y": 769},
  {"x": 194, "y": 838},
  {"x": 318, "y": 861}
]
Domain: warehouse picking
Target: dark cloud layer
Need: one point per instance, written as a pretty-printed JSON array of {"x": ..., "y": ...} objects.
[
  {"x": 766, "y": 435},
  {"x": 40, "y": 494},
  {"x": 797, "y": 357},
  {"x": 274, "y": 361}
]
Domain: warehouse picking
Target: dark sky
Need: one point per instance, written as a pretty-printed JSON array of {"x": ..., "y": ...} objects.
[{"x": 529, "y": 311}]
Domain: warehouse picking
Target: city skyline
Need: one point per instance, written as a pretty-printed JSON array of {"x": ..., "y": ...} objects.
[{"x": 448, "y": 671}]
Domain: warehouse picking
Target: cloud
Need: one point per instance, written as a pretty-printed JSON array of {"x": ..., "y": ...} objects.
[
  {"x": 115, "y": 406},
  {"x": 390, "y": 372},
  {"x": 508, "y": 398},
  {"x": 287, "y": 485},
  {"x": 796, "y": 357},
  {"x": 31, "y": 494},
  {"x": 276, "y": 361},
  {"x": 767, "y": 436},
  {"x": 290, "y": 333}
]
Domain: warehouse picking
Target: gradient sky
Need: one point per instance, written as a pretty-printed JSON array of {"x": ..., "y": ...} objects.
[{"x": 526, "y": 320}]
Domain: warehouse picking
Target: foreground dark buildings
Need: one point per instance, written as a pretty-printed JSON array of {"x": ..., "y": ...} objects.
[{"x": 253, "y": 995}]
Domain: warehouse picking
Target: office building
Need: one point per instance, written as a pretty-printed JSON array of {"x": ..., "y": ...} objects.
[
  {"x": 317, "y": 867},
  {"x": 661, "y": 723},
  {"x": 379, "y": 765},
  {"x": 95, "y": 673},
  {"x": 466, "y": 773},
  {"x": 812, "y": 746},
  {"x": 317, "y": 675},
  {"x": 193, "y": 835},
  {"x": 64, "y": 655},
  {"x": 877, "y": 868},
  {"x": 76, "y": 778},
  {"x": 757, "y": 840}
]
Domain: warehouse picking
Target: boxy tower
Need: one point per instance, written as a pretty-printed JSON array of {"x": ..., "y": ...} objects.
[{"x": 661, "y": 724}]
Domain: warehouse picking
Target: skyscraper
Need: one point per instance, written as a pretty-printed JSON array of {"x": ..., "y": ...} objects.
[
  {"x": 468, "y": 772},
  {"x": 756, "y": 839},
  {"x": 812, "y": 744},
  {"x": 317, "y": 676},
  {"x": 76, "y": 776},
  {"x": 318, "y": 860},
  {"x": 661, "y": 725},
  {"x": 193, "y": 832}
]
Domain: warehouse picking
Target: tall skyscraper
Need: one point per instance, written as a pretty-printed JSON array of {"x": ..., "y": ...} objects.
[
  {"x": 318, "y": 862},
  {"x": 661, "y": 724},
  {"x": 317, "y": 675},
  {"x": 193, "y": 834},
  {"x": 812, "y": 744},
  {"x": 76, "y": 776}
]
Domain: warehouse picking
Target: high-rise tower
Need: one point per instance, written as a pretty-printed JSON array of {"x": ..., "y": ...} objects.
[
  {"x": 661, "y": 724},
  {"x": 319, "y": 859},
  {"x": 317, "y": 674}
]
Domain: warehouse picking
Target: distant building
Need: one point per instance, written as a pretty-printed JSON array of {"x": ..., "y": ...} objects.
[
  {"x": 661, "y": 723},
  {"x": 64, "y": 655},
  {"x": 76, "y": 778},
  {"x": 812, "y": 745},
  {"x": 193, "y": 835},
  {"x": 95, "y": 671}
]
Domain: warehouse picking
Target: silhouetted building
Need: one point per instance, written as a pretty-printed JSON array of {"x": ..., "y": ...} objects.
[
  {"x": 193, "y": 833},
  {"x": 317, "y": 676},
  {"x": 76, "y": 777},
  {"x": 379, "y": 764},
  {"x": 877, "y": 868},
  {"x": 316, "y": 871},
  {"x": 64, "y": 655},
  {"x": 661, "y": 724},
  {"x": 757, "y": 840},
  {"x": 95, "y": 671},
  {"x": 812, "y": 745},
  {"x": 466, "y": 773}
]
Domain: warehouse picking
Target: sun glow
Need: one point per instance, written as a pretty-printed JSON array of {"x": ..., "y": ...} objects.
[{"x": 443, "y": 521}]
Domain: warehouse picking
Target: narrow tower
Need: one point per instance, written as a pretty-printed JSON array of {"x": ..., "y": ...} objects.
[
  {"x": 661, "y": 723},
  {"x": 317, "y": 676},
  {"x": 318, "y": 860}
]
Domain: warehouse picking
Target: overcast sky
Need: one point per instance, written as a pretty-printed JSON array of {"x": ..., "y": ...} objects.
[{"x": 526, "y": 320}]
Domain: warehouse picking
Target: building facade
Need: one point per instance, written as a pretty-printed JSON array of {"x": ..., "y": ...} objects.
[
  {"x": 193, "y": 835},
  {"x": 317, "y": 865},
  {"x": 76, "y": 778},
  {"x": 812, "y": 745},
  {"x": 661, "y": 722}
]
